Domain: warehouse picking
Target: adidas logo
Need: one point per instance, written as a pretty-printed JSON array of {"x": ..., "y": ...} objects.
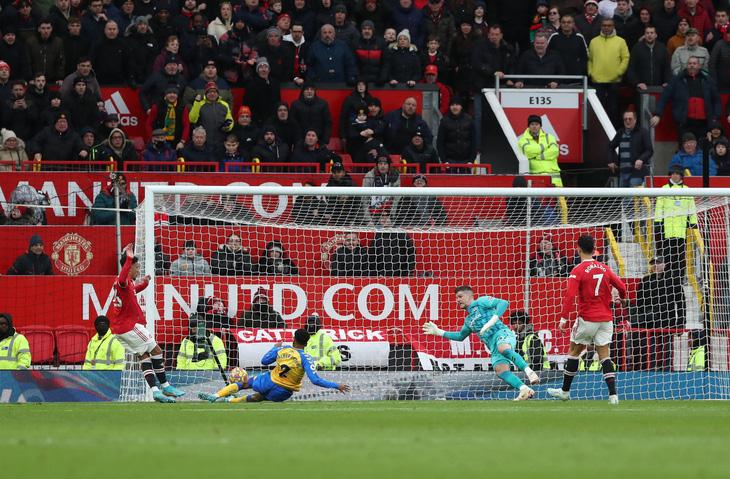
[{"x": 116, "y": 105}]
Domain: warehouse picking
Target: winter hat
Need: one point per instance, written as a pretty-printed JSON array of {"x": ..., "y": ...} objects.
[
  {"x": 4, "y": 65},
  {"x": 541, "y": 2},
  {"x": 420, "y": 176},
  {"x": 480, "y": 3},
  {"x": 34, "y": 240},
  {"x": 158, "y": 132},
  {"x": 244, "y": 110},
  {"x": 111, "y": 118},
  {"x": 10, "y": 28},
  {"x": 211, "y": 86},
  {"x": 101, "y": 319},
  {"x": 283, "y": 15},
  {"x": 78, "y": 80},
  {"x": 339, "y": 8},
  {"x": 260, "y": 294},
  {"x": 534, "y": 119},
  {"x": 688, "y": 137},
  {"x": 309, "y": 84},
  {"x": 272, "y": 31},
  {"x": 262, "y": 61},
  {"x": 172, "y": 89},
  {"x": 594, "y": 2},
  {"x": 367, "y": 23},
  {"x": 383, "y": 159},
  {"x": 405, "y": 33},
  {"x": 714, "y": 124},
  {"x": 432, "y": 69},
  {"x": 684, "y": 20},
  {"x": 721, "y": 141},
  {"x": 456, "y": 99},
  {"x": 8, "y": 134},
  {"x": 23, "y": 209},
  {"x": 61, "y": 116},
  {"x": 375, "y": 101},
  {"x": 140, "y": 19},
  {"x": 337, "y": 166},
  {"x": 170, "y": 58},
  {"x": 677, "y": 168}
]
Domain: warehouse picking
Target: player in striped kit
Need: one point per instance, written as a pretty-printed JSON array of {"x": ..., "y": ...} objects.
[
  {"x": 129, "y": 327},
  {"x": 593, "y": 282},
  {"x": 483, "y": 319}
]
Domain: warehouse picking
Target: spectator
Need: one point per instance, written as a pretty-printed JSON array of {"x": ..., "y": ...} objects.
[
  {"x": 379, "y": 127},
  {"x": 697, "y": 15},
  {"x": 19, "y": 111},
  {"x": 104, "y": 208},
  {"x": 407, "y": 17},
  {"x": 679, "y": 38},
  {"x": 118, "y": 148},
  {"x": 628, "y": 26},
  {"x": 717, "y": 32},
  {"x": 608, "y": 59},
  {"x": 460, "y": 58},
  {"x": 597, "y": 256},
  {"x": 153, "y": 90},
  {"x": 342, "y": 210},
  {"x": 404, "y": 122},
  {"x": 377, "y": 12},
  {"x": 649, "y": 63},
  {"x": 190, "y": 263},
  {"x": 697, "y": 347},
  {"x": 541, "y": 149},
  {"x": 231, "y": 258},
  {"x": 245, "y": 131},
  {"x": 320, "y": 347},
  {"x": 358, "y": 136},
  {"x": 528, "y": 342},
  {"x": 330, "y": 60},
  {"x": 383, "y": 176},
  {"x": 104, "y": 352},
  {"x": 159, "y": 150},
  {"x": 720, "y": 155},
  {"x": 420, "y": 153},
  {"x": 420, "y": 211},
  {"x": 350, "y": 259},
  {"x": 171, "y": 116},
  {"x": 389, "y": 36},
  {"x": 21, "y": 215},
  {"x": 263, "y": 92},
  {"x": 300, "y": 49},
  {"x": 539, "y": 61},
  {"x": 223, "y": 22},
  {"x": 548, "y": 261},
  {"x": 183, "y": 20},
  {"x": 440, "y": 21},
  {"x": 434, "y": 55},
  {"x": 305, "y": 16},
  {"x": 14, "y": 346},
  {"x": 310, "y": 150},
  {"x": 666, "y": 20},
  {"x": 456, "y": 135},
  {"x": 212, "y": 114},
  {"x": 719, "y": 63},
  {"x": 280, "y": 55},
  {"x": 287, "y": 129},
  {"x": 270, "y": 149},
  {"x": 201, "y": 349},
  {"x": 37, "y": 93},
  {"x": 85, "y": 71},
  {"x": 161, "y": 25},
  {"x": 251, "y": 13},
  {"x": 661, "y": 305},
  {"x": 313, "y": 111},
  {"x": 162, "y": 259},
  {"x": 58, "y": 143},
  {"x": 231, "y": 211},
  {"x": 197, "y": 48},
  {"x": 261, "y": 315},
  {"x": 571, "y": 46},
  {"x": 371, "y": 53},
  {"x": 33, "y": 263},
  {"x": 552, "y": 21},
  {"x": 690, "y": 48},
  {"x": 171, "y": 47},
  {"x": 93, "y": 21},
  {"x": 54, "y": 108},
  {"x": 308, "y": 210},
  {"x": 12, "y": 149},
  {"x": 689, "y": 157},
  {"x": 431, "y": 77},
  {"x": 274, "y": 261},
  {"x": 692, "y": 87},
  {"x": 635, "y": 151},
  {"x": 516, "y": 211},
  {"x": 81, "y": 106},
  {"x": 112, "y": 58},
  {"x": 196, "y": 88},
  {"x": 46, "y": 53},
  {"x": 199, "y": 151},
  {"x": 125, "y": 16},
  {"x": 589, "y": 24},
  {"x": 59, "y": 15},
  {"x": 389, "y": 253},
  {"x": 355, "y": 101},
  {"x": 15, "y": 61},
  {"x": 75, "y": 46},
  {"x": 229, "y": 156},
  {"x": 674, "y": 215},
  {"x": 404, "y": 65},
  {"x": 237, "y": 53},
  {"x": 480, "y": 21},
  {"x": 344, "y": 29}
]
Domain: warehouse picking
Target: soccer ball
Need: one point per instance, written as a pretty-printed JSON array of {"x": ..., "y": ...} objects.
[{"x": 237, "y": 375}]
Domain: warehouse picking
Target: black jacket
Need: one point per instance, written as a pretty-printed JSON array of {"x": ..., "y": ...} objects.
[
  {"x": 423, "y": 157},
  {"x": 313, "y": 114},
  {"x": 651, "y": 66},
  {"x": 56, "y": 146},
  {"x": 372, "y": 58},
  {"x": 112, "y": 60},
  {"x": 404, "y": 65},
  {"x": 640, "y": 148},
  {"x": 531, "y": 64},
  {"x": 261, "y": 315},
  {"x": 226, "y": 262},
  {"x": 660, "y": 301},
  {"x": 573, "y": 51},
  {"x": 346, "y": 262},
  {"x": 392, "y": 254},
  {"x": 31, "y": 264},
  {"x": 456, "y": 138}
]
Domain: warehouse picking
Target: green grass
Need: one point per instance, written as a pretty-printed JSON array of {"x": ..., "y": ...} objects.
[{"x": 333, "y": 440}]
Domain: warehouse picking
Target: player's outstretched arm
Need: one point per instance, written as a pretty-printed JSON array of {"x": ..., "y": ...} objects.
[
  {"x": 343, "y": 388},
  {"x": 431, "y": 328}
]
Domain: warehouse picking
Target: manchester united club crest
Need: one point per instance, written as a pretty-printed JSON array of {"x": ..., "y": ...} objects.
[
  {"x": 328, "y": 248},
  {"x": 72, "y": 254}
]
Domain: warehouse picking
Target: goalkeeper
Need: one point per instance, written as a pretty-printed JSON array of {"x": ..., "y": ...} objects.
[
  {"x": 483, "y": 319},
  {"x": 284, "y": 380}
]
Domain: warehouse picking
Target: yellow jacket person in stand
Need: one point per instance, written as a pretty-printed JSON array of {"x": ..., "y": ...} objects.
[
  {"x": 195, "y": 351},
  {"x": 541, "y": 149},
  {"x": 14, "y": 348},
  {"x": 320, "y": 346},
  {"x": 105, "y": 352}
]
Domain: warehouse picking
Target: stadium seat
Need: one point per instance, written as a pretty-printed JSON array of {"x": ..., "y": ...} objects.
[
  {"x": 71, "y": 342},
  {"x": 138, "y": 144},
  {"x": 335, "y": 145},
  {"x": 42, "y": 343}
]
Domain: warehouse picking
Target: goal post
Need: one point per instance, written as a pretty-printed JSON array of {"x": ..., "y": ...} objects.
[{"x": 249, "y": 260}]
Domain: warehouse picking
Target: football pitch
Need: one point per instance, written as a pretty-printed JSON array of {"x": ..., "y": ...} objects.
[{"x": 382, "y": 439}]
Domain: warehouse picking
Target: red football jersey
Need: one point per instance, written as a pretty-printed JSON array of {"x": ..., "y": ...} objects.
[
  {"x": 127, "y": 311},
  {"x": 592, "y": 281}
]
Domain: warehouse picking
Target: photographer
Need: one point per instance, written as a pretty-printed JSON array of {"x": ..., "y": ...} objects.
[
  {"x": 103, "y": 210},
  {"x": 195, "y": 350}
]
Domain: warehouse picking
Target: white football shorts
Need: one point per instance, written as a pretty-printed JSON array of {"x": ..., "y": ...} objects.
[
  {"x": 586, "y": 332},
  {"x": 138, "y": 340}
]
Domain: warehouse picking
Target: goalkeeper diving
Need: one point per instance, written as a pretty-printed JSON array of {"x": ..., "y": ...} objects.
[
  {"x": 285, "y": 379},
  {"x": 483, "y": 319}
]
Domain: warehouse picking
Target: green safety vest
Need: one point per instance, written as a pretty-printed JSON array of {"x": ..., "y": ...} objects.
[
  {"x": 104, "y": 354},
  {"x": 188, "y": 352},
  {"x": 15, "y": 352},
  {"x": 697, "y": 360},
  {"x": 676, "y": 212},
  {"x": 526, "y": 348},
  {"x": 323, "y": 351}
]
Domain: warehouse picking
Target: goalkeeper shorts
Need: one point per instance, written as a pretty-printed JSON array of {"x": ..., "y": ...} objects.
[
  {"x": 270, "y": 391},
  {"x": 503, "y": 336}
]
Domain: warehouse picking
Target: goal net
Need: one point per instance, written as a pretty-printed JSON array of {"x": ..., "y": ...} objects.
[{"x": 250, "y": 265}]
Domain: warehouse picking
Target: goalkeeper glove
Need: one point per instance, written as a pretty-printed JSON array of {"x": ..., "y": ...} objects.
[
  {"x": 489, "y": 324},
  {"x": 431, "y": 328}
]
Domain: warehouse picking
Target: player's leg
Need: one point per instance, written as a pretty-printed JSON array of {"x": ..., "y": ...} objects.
[
  {"x": 603, "y": 345},
  {"x": 506, "y": 343},
  {"x": 138, "y": 344},
  {"x": 581, "y": 335},
  {"x": 158, "y": 365},
  {"x": 229, "y": 390}
]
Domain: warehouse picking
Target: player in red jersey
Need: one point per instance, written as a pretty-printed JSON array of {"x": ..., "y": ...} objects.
[
  {"x": 592, "y": 281},
  {"x": 129, "y": 327}
]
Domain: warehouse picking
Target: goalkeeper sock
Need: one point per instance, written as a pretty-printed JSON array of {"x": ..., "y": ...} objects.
[
  {"x": 609, "y": 375},
  {"x": 228, "y": 390},
  {"x": 516, "y": 359},
  {"x": 159, "y": 366},
  {"x": 571, "y": 367},
  {"x": 243, "y": 399},
  {"x": 511, "y": 379}
]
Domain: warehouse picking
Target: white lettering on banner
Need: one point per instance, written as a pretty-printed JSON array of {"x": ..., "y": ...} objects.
[
  {"x": 461, "y": 348},
  {"x": 564, "y": 149},
  {"x": 404, "y": 294},
  {"x": 75, "y": 191},
  {"x": 360, "y": 354},
  {"x": 280, "y": 207},
  {"x": 88, "y": 297},
  {"x": 301, "y": 300},
  {"x": 430, "y": 362},
  {"x": 388, "y": 303},
  {"x": 329, "y": 305},
  {"x": 50, "y": 189},
  {"x": 552, "y": 100},
  {"x": 545, "y": 336},
  {"x": 171, "y": 294}
]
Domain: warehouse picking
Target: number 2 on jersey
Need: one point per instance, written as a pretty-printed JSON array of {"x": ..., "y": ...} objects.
[
  {"x": 598, "y": 277},
  {"x": 284, "y": 369}
]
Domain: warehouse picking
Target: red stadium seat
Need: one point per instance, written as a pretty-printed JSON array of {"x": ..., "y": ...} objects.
[
  {"x": 42, "y": 343},
  {"x": 72, "y": 342}
]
